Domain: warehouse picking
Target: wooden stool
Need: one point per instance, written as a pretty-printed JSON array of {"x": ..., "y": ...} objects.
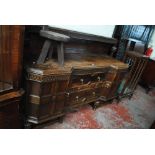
[{"x": 60, "y": 39}]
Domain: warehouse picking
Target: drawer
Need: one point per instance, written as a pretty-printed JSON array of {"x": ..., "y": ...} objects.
[
  {"x": 81, "y": 97},
  {"x": 86, "y": 80},
  {"x": 88, "y": 86}
]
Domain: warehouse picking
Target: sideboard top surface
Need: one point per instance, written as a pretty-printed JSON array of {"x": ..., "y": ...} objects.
[{"x": 52, "y": 66}]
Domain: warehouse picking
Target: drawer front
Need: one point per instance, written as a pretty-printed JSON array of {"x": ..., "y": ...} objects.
[
  {"x": 86, "y": 80},
  {"x": 81, "y": 97}
]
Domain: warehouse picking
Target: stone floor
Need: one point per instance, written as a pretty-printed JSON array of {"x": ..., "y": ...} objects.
[{"x": 139, "y": 112}]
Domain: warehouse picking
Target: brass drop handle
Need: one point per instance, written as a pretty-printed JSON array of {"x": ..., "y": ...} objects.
[
  {"x": 67, "y": 94},
  {"x": 89, "y": 83},
  {"x": 107, "y": 85},
  {"x": 84, "y": 99},
  {"x": 82, "y": 81},
  {"x": 99, "y": 78},
  {"x": 94, "y": 93},
  {"x": 77, "y": 98},
  {"x": 97, "y": 102}
]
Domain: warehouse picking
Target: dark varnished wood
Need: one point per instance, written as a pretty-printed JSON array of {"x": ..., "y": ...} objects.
[
  {"x": 54, "y": 90},
  {"x": 54, "y": 86},
  {"x": 11, "y": 44},
  {"x": 148, "y": 76},
  {"x": 87, "y": 74},
  {"x": 76, "y": 47}
]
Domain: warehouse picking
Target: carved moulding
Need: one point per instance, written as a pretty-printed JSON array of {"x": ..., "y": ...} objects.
[{"x": 49, "y": 78}]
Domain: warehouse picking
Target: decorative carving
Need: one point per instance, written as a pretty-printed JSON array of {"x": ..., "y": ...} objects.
[
  {"x": 42, "y": 78},
  {"x": 108, "y": 84}
]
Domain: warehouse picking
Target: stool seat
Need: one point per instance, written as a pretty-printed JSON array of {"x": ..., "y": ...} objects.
[{"x": 54, "y": 36}]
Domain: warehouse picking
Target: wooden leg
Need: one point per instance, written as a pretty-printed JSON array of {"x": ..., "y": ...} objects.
[
  {"x": 44, "y": 52},
  {"x": 60, "y": 119},
  {"x": 130, "y": 96},
  {"x": 111, "y": 101},
  {"x": 27, "y": 125},
  {"x": 60, "y": 49},
  {"x": 148, "y": 89},
  {"x": 119, "y": 99},
  {"x": 95, "y": 105},
  {"x": 50, "y": 52},
  {"x": 115, "y": 100}
]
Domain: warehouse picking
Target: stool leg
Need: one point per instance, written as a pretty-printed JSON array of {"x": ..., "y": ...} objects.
[
  {"x": 44, "y": 52},
  {"x": 50, "y": 52},
  {"x": 60, "y": 48}
]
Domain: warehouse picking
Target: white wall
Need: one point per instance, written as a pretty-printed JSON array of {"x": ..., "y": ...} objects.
[{"x": 102, "y": 30}]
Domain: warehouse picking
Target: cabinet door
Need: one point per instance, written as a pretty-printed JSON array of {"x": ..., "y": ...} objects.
[
  {"x": 6, "y": 78},
  {"x": 11, "y": 44}
]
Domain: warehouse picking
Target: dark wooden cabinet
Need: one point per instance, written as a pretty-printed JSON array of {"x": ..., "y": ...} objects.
[
  {"x": 11, "y": 44},
  {"x": 53, "y": 91},
  {"x": 45, "y": 94},
  {"x": 88, "y": 74},
  {"x": 59, "y": 75}
]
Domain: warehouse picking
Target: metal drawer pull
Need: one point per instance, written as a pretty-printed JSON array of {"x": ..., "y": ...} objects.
[
  {"x": 99, "y": 78},
  {"x": 84, "y": 99},
  {"x": 77, "y": 98},
  {"x": 81, "y": 80},
  {"x": 94, "y": 93},
  {"x": 97, "y": 102},
  {"x": 107, "y": 85},
  {"x": 89, "y": 82},
  {"x": 67, "y": 94}
]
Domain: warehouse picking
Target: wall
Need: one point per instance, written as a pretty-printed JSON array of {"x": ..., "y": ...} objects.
[
  {"x": 152, "y": 42},
  {"x": 102, "y": 30}
]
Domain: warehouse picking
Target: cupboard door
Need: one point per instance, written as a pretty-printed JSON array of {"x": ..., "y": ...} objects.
[
  {"x": 6, "y": 78},
  {"x": 11, "y": 45}
]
